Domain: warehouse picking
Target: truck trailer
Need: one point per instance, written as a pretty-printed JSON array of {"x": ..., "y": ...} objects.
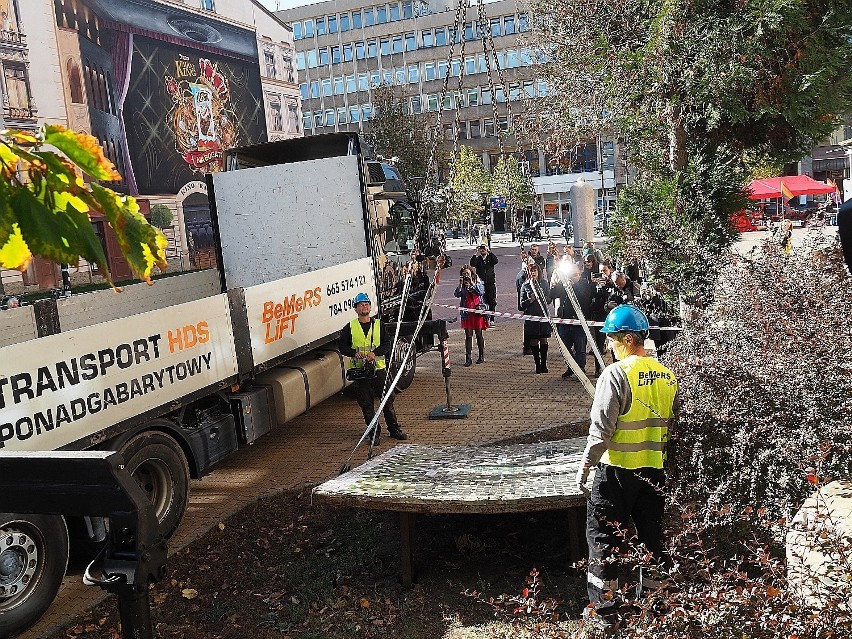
[{"x": 181, "y": 374}]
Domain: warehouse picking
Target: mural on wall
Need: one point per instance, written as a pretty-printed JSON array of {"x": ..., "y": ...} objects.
[{"x": 183, "y": 109}]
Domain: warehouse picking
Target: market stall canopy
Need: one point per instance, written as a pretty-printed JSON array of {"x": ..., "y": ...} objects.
[{"x": 769, "y": 188}]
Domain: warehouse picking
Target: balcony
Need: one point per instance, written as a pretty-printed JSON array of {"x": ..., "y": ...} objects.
[
  {"x": 13, "y": 37},
  {"x": 17, "y": 113}
]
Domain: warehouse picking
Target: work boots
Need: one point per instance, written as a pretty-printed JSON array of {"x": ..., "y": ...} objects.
[{"x": 543, "y": 349}]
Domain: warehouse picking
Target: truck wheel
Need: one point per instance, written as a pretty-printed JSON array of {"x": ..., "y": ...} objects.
[
  {"x": 157, "y": 463},
  {"x": 33, "y": 558},
  {"x": 410, "y": 366}
]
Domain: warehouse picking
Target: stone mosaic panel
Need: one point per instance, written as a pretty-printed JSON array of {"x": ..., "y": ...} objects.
[{"x": 463, "y": 479}]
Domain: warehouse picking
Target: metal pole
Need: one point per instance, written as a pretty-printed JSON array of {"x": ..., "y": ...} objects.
[{"x": 135, "y": 613}]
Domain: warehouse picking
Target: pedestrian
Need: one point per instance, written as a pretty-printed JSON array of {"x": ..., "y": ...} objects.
[
  {"x": 366, "y": 342},
  {"x": 536, "y": 332},
  {"x": 520, "y": 278},
  {"x": 484, "y": 262},
  {"x": 536, "y": 256},
  {"x": 620, "y": 292},
  {"x": 602, "y": 286},
  {"x": 785, "y": 236},
  {"x": 632, "y": 414},
  {"x": 572, "y": 335},
  {"x": 551, "y": 260},
  {"x": 472, "y": 293},
  {"x": 13, "y": 302}
]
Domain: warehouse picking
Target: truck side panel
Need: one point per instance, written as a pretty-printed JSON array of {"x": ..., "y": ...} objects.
[
  {"x": 17, "y": 325},
  {"x": 295, "y": 311},
  {"x": 58, "y": 389},
  {"x": 283, "y": 220}
]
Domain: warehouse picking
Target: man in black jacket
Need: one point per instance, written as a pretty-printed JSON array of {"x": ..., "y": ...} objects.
[
  {"x": 572, "y": 335},
  {"x": 484, "y": 262}
]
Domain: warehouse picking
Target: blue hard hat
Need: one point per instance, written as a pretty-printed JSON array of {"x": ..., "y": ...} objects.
[
  {"x": 362, "y": 297},
  {"x": 625, "y": 317}
]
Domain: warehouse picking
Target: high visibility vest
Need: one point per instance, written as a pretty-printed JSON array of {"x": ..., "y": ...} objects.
[
  {"x": 366, "y": 343},
  {"x": 642, "y": 432}
]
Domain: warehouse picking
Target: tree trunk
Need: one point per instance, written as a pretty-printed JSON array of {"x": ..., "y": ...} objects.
[{"x": 677, "y": 143}]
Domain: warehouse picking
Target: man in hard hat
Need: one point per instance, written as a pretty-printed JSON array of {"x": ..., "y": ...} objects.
[
  {"x": 633, "y": 410},
  {"x": 366, "y": 342}
]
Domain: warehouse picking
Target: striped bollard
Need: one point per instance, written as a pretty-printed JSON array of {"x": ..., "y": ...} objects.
[{"x": 447, "y": 411}]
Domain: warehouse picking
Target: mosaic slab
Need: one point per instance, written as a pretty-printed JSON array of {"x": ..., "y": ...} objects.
[{"x": 463, "y": 479}]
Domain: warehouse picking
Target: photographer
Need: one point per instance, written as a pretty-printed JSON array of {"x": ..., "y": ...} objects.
[
  {"x": 484, "y": 261},
  {"x": 471, "y": 292},
  {"x": 365, "y": 340}
]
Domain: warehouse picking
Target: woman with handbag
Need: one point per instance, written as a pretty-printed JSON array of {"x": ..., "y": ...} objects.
[{"x": 472, "y": 294}]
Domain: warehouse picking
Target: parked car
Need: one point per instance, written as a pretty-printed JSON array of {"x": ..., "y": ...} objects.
[{"x": 549, "y": 228}]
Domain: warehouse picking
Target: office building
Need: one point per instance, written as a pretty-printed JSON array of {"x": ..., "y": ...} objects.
[{"x": 346, "y": 48}]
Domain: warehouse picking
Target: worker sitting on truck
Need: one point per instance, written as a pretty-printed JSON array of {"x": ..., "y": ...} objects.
[{"x": 366, "y": 342}]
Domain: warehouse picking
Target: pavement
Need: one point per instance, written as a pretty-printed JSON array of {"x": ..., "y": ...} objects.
[{"x": 507, "y": 399}]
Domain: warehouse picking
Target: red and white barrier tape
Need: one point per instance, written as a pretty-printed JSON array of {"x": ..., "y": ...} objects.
[{"x": 538, "y": 318}]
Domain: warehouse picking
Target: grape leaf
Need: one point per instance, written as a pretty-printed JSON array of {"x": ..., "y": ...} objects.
[{"x": 82, "y": 149}]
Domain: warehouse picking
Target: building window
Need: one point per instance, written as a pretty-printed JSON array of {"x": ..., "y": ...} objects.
[
  {"x": 315, "y": 89},
  {"x": 309, "y": 28},
  {"x": 275, "y": 117},
  {"x": 303, "y": 90},
  {"x": 320, "y": 26},
  {"x": 317, "y": 119},
  {"x": 456, "y": 68},
  {"x": 323, "y": 57},
  {"x": 369, "y": 21},
  {"x": 375, "y": 78},
  {"x": 372, "y": 49},
  {"x": 468, "y": 31},
  {"x": 448, "y": 132},
  {"x": 514, "y": 92},
  {"x": 341, "y": 115},
  {"x": 529, "y": 89},
  {"x": 326, "y": 87},
  {"x": 385, "y": 45},
  {"x": 360, "y": 51},
  {"x": 297, "y": 30},
  {"x": 347, "y": 52},
  {"x": 363, "y": 82},
  {"x": 462, "y": 130},
  {"x": 429, "y": 70},
  {"x": 503, "y": 122},
  {"x": 292, "y": 116},
  {"x": 300, "y": 61},
  {"x": 354, "y": 114},
  {"x": 307, "y": 120},
  {"x": 335, "y": 55},
  {"x": 428, "y": 38},
  {"x": 410, "y": 42},
  {"x": 407, "y": 10},
  {"x": 486, "y": 95},
  {"x": 399, "y": 74},
  {"x": 287, "y": 61},
  {"x": 442, "y": 69},
  {"x": 329, "y": 117},
  {"x": 542, "y": 89},
  {"x": 470, "y": 66},
  {"x": 332, "y": 24},
  {"x": 394, "y": 12},
  {"x": 351, "y": 87},
  {"x": 473, "y": 97},
  {"x": 397, "y": 44},
  {"x": 339, "y": 86},
  {"x": 488, "y": 128},
  {"x": 433, "y": 102},
  {"x": 413, "y": 74},
  {"x": 496, "y": 29},
  {"x": 441, "y": 37},
  {"x": 75, "y": 83},
  {"x": 475, "y": 129},
  {"x": 387, "y": 76},
  {"x": 499, "y": 94},
  {"x": 208, "y": 5},
  {"x": 16, "y": 88},
  {"x": 312, "y": 59},
  {"x": 381, "y": 14},
  {"x": 416, "y": 106},
  {"x": 356, "y": 19},
  {"x": 508, "y": 25},
  {"x": 483, "y": 64},
  {"x": 523, "y": 22}
]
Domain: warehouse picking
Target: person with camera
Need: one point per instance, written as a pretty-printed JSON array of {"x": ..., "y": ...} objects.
[
  {"x": 472, "y": 295},
  {"x": 484, "y": 261},
  {"x": 536, "y": 332},
  {"x": 365, "y": 340}
]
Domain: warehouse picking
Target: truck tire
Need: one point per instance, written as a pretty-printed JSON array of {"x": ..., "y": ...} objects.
[
  {"x": 33, "y": 559},
  {"x": 157, "y": 463},
  {"x": 410, "y": 366}
]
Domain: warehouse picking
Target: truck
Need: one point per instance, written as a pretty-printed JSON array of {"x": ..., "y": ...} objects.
[{"x": 181, "y": 374}]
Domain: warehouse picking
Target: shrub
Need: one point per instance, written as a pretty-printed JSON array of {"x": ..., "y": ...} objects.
[{"x": 161, "y": 216}]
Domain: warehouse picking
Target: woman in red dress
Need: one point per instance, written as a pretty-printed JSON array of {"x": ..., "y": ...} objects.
[{"x": 472, "y": 294}]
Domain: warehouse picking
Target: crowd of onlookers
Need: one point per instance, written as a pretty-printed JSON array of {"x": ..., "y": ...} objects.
[{"x": 597, "y": 282}]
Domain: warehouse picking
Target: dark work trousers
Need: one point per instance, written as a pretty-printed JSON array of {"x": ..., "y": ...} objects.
[
  {"x": 369, "y": 391},
  {"x": 618, "y": 495},
  {"x": 490, "y": 294},
  {"x": 574, "y": 338}
]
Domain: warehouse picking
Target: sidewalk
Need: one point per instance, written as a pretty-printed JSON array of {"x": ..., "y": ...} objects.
[{"x": 507, "y": 399}]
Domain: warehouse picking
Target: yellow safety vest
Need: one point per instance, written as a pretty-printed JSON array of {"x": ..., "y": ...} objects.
[
  {"x": 365, "y": 343},
  {"x": 641, "y": 433}
]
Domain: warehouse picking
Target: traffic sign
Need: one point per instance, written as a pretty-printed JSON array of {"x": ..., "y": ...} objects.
[{"x": 497, "y": 202}]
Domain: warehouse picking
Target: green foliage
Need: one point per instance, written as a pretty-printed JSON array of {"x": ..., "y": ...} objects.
[
  {"x": 161, "y": 216},
  {"x": 394, "y": 133},
  {"x": 510, "y": 182},
  {"x": 469, "y": 186},
  {"x": 45, "y": 204},
  {"x": 678, "y": 79}
]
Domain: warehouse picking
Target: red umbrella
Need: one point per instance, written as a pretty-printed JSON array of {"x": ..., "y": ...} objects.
[{"x": 769, "y": 188}]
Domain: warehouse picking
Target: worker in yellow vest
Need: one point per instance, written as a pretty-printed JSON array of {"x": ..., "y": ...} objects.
[
  {"x": 365, "y": 341},
  {"x": 632, "y": 413}
]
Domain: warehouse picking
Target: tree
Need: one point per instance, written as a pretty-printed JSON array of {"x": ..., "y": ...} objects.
[
  {"x": 509, "y": 181},
  {"x": 469, "y": 185},
  {"x": 393, "y": 132},
  {"x": 689, "y": 86},
  {"x": 45, "y": 204},
  {"x": 161, "y": 216}
]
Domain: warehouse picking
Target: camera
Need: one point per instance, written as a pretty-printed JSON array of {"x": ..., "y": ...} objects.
[{"x": 366, "y": 371}]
